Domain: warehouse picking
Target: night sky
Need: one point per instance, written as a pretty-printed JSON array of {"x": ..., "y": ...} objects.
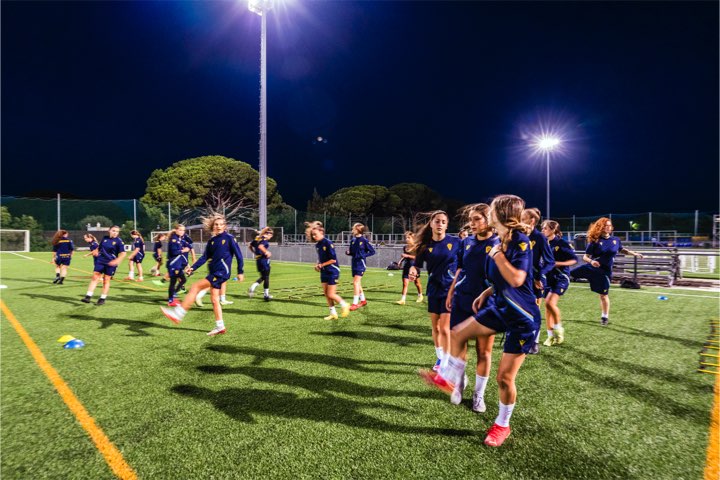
[{"x": 96, "y": 95}]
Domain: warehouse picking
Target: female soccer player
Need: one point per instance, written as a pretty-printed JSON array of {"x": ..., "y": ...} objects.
[
  {"x": 92, "y": 244},
  {"x": 558, "y": 281},
  {"x": 157, "y": 254},
  {"x": 507, "y": 306},
  {"x": 439, "y": 251},
  {"x": 136, "y": 257},
  {"x": 328, "y": 268},
  {"x": 62, "y": 248},
  {"x": 219, "y": 251},
  {"x": 408, "y": 261},
  {"x": 260, "y": 247},
  {"x": 177, "y": 261},
  {"x": 600, "y": 254},
  {"x": 470, "y": 281},
  {"x": 110, "y": 253},
  {"x": 359, "y": 250}
]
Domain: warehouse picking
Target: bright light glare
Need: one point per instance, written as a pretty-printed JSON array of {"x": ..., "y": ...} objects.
[
  {"x": 260, "y": 6},
  {"x": 548, "y": 143}
]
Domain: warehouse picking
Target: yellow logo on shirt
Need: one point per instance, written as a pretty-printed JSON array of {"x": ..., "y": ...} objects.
[
  {"x": 487, "y": 249},
  {"x": 557, "y": 248},
  {"x": 113, "y": 243},
  {"x": 614, "y": 242},
  {"x": 522, "y": 342},
  {"x": 562, "y": 290},
  {"x": 361, "y": 244},
  {"x": 532, "y": 244},
  {"x": 523, "y": 246},
  {"x": 223, "y": 242},
  {"x": 430, "y": 249},
  {"x": 174, "y": 240},
  {"x": 449, "y": 245},
  {"x": 211, "y": 243},
  {"x": 324, "y": 248},
  {"x": 467, "y": 247}
]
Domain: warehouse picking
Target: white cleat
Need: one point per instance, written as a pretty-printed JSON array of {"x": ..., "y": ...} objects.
[
  {"x": 251, "y": 293},
  {"x": 456, "y": 395},
  {"x": 226, "y": 302},
  {"x": 216, "y": 331},
  {"x": 478, "y": 405},
  {"x": 198, "y": 301}
]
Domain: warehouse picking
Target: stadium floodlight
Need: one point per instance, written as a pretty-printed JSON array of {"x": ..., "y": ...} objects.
[
  {"x": 261, "y": 7},
  {"x": 547, "y": 144}
]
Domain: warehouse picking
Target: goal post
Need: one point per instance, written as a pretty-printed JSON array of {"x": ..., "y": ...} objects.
[{"x": 14, "y": 240}]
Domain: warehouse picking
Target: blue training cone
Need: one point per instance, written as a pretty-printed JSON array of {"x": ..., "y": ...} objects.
[
  {"x": 662, "y": 297},
  {"x": 74, "y": 344}
]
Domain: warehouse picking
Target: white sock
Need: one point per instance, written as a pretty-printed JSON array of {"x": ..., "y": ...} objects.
[
  {"x": 558, "y": 326},
  {"x": 222, "y": 298},
  {"x": 131, "y": 275},
  {"x": 267, "y": 292},
  {"x": 355, "y": 299},
  {"x": 180, "y": 311},
  {"x": 333, "y": 311},
  {"x": 254, "y": 286},
  {"x": 89, "y": 294},
  {"x": 402, "y": 298},
  {"x": 445, "y": 361},
  {"x": 103, "y": 296},
  {"x": 550, "y": 333},
  {"x": 343, "y": 304},
  {"x": 201, "y": 294},
  {"x": 480, "y": 384},
  {"x": 362, "y": 296},
  {"x": 504, "y": 414},
  {"x": 454, "y": 370},
  {"x": 604, "y": 314},
  {"x": 439, "y": 352},
  {"x": 219, "y": 324}
]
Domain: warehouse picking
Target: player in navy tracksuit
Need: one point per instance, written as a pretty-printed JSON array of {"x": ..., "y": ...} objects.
[
  {"x": 92, "y": 246},
  {"x": 408, "y": 261},
  {"x": 558, "y": 281},
  {"x": 470, "y": 281},
  {"x": 507, "y": 306},
  {"x": 62, "y": 248},
  {"x": 439, "y": 251},
  {"x": 157, "y": 254},
  {"x": 110, "y": 253},
  {"x": 359, "y": 250},
  {"x": 136, "y": 257},
  {"x": 543, "y": 260},
  {"x": 177, "y": 262},
  {"x": 328, "y": 268},
  {"x": 219, "y": 253},
  {"x": 261, "y": 248},
  {"x": 600, "y": 254}
]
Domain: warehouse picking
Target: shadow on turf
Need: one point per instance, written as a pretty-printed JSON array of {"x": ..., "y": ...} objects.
[
  {"x": 240, "y": 404},
  {"x": 621, "y": 385},
  {"x": 375, "y": 337},
  {"x": 138, "y": 327},
  {"x": 339, "y": 362},
  {"x": 425, "y": 331},
  {"x": 643, "y": 333}
]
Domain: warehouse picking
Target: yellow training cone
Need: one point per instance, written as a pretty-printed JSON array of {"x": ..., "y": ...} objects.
[{"x": 65, "y": 338}]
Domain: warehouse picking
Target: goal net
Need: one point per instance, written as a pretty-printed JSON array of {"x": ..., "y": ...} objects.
[{"x": 14, "y": 240}]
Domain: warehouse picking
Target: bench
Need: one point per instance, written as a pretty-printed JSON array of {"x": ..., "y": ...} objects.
[{"x": 658, "y": 267}]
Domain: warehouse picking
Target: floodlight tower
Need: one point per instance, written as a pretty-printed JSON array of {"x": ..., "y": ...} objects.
[
  {"x": 262, "y": 7},
  {"x": 547, "y": 145}
]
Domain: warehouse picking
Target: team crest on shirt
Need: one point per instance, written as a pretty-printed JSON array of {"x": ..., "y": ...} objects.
[
  {"x": 532, "y": 244},
  {"x": 614, "y": 242},
  {"x": 562, "y": 290},
  {"x": 174, "y": 240},
  {"x": 467, "y": 247},
  {"x": 113, "y": 243},
  {"x": 324, "y": 249},
  {"x": 487, "y": 249},
  {"x": 522, "y": 342},
  {"x": 449, "y": 245},
  {"x": 223, "y": 242},
  {"x": 430, "y": 249},
  {"x": 557, "y": 248},
  {"x": 523, "y": 246}
]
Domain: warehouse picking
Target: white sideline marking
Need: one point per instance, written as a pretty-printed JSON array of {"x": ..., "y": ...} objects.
[
  {"x": 668, "y": 293},
  {"x": 23, "y": 256}
]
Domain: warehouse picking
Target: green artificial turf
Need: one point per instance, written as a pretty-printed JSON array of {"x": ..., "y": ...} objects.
[{"x": 286, "y": 394}]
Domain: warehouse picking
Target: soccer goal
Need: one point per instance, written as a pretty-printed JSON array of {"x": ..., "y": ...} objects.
[{"x": 14, "y": 240}]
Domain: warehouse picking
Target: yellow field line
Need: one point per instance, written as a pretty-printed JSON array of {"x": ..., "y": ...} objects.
[
  {"x": 112, "y": 455},
  {"x": 712, "y": 465}
]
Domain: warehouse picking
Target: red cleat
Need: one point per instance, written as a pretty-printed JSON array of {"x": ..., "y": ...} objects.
[
  {"x": 354, "y": 307},
  {"x": 434, "y": 379},
  {"x": 363, "y": 303},
  {"x": 170, "y": 314},
  {"x": 497, "y": 435},
  {"x": 173, "y": 303}
]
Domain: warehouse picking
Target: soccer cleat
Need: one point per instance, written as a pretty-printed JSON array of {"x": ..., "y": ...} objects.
[
  {"x": 57, "y": 279},
  {"x": 497, "y": 435},
  {"x": 101, "y": 301},
  {"x": 153, "y": 271},
  {"x": 478, "y": 403},
  {"x": 226, "y": 302},
  {"x": 332, "y": 316},
  {"x": 267, "y": 298},
  {"x": 419, "y": 299},
  {"x": 436, "y": 367},
  {"x": 251, "y": 292},
  {"x": 128, "y": 278},
  {"x": 139, "y": 279},
  {"x": 363, "y": 303},
  {"x": 345, "y": 310},
  {"x": 604, "y": 321},
  {"x": 535, "y": 349},
  {"x": 559, "y": 335},
  {"x": 400, "y": 302},
  {"x": 550, "y": 341},
  {"x": 170, "y": 314},
  {"x": 62, "y": 280},
  {"x": 198, "y": 301},
  {"x": 173, "y": 303},
  {"x": 216, "y": 331},
  {"x": 436, "y": 380},
  {"x": 159, "y": 283},
  {"x": 354, "y": 307},
  {"x": 86, "y": 299},
  {"x": 457, "y": 393}
]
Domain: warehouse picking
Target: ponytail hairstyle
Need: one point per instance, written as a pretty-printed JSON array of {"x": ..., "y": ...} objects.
[
  {"x": 310, "y": 226},
  {"x": 135, "y": 232},
  {"x": 58, "y": 235},
  {"x": 159, "y": 236},
  {"x": 554, "y": 226},
  {"x": 209, "y": 221},
  {"x": 265, "y": 231},
  {"x": 359, "y": 227},
  {"x": 85, "y": 237},
  {"x": 533, "y": 213},
  {"x": 508, "y": 210},
  {"x": 596, "y": 229},
  {"x": 481, "y": 208},
  {"x": 423, "y": 233}
]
